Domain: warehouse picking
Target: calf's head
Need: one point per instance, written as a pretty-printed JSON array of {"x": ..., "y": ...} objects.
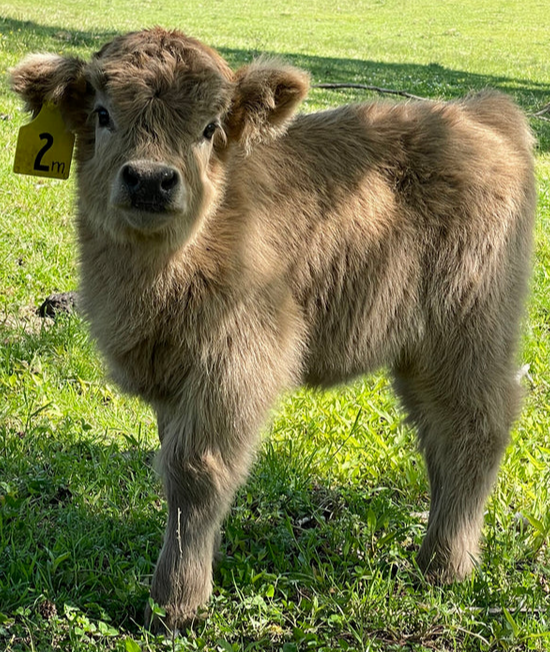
[{"x": 157, "y": 116}]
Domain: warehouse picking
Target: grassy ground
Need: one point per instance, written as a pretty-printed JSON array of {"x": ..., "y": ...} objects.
[{"x": 319, "y": 548}]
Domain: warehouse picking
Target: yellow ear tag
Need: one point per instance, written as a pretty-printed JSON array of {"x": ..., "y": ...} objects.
[{"x": 44, "y": 146}]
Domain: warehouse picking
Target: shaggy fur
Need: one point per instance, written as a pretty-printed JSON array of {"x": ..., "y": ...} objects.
[{"x": 282, "y": 250}]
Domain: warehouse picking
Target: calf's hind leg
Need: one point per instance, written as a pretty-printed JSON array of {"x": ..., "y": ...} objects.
[{"x": 463, "y": 425}]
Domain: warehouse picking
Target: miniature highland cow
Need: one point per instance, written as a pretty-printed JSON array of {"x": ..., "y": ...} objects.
[{"x": 231, "y": 249}]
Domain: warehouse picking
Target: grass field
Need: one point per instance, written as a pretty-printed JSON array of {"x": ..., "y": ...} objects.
[{"x": 318, "y": 551}]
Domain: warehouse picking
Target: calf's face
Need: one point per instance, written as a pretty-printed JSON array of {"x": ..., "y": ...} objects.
[
  {"x": 156, "y": 114},
  {"x": 155, "y": 119}
]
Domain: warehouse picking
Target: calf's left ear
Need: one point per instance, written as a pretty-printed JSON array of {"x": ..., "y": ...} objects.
[
  {"x": 42, "y": 78},
  {"x": 265, "y": 99}
]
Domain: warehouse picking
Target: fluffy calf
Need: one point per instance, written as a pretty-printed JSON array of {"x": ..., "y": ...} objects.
[{"x": 230, "y": 249}]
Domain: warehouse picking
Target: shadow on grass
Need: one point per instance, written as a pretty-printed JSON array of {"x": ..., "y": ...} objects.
[
  {"x": 82, "y": 513},
  {"x": 82, "y": 525},
  {"x": 20, "y": 37},
  {"x": 432, "y": 80}
]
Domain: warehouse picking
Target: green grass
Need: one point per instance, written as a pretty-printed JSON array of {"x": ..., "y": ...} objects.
[{"x": 319, "y": 547}]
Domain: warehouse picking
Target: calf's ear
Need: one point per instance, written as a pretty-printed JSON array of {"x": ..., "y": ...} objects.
[
  {"x": 266, "y": 96},
  {"x": 42, "y": 78}
]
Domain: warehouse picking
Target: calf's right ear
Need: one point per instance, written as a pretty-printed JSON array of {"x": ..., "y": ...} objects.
[{"x": 42, "y": 78}]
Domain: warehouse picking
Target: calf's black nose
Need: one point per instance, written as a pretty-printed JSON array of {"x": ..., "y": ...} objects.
[{"x": 150, "y": 186}]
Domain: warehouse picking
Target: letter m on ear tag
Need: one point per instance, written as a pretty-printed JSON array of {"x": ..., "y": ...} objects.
[{"x": 44, "y": 146}]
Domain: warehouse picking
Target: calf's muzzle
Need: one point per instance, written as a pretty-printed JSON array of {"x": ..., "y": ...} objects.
[{"x": 148, "y": 186}]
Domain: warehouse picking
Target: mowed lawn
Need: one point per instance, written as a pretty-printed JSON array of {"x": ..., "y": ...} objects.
[{"x": 319, "y": 548}]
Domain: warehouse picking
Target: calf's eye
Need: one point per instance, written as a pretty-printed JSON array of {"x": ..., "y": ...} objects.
[
  {"x": 210, "y": 130},
  {"x": 103, "y": 118}
]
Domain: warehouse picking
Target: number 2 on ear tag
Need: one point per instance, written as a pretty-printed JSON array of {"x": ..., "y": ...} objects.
[{"x": 44, "y": 146}]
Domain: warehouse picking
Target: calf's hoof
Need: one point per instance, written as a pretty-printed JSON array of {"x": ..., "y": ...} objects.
[
  {"x": 443, "y": 564},
  {"x": 174, "y": 620}
]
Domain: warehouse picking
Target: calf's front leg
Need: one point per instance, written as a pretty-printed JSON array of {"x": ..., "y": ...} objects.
[{"x": 200, "y": 481}]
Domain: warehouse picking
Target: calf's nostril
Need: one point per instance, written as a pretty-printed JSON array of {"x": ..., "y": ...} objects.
[
  {"x": 169, "y": 180},
  {"x": 130, "y": 177}
]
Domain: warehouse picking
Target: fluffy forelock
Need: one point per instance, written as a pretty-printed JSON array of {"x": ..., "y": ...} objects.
[{"x": 141, "y": 67}]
